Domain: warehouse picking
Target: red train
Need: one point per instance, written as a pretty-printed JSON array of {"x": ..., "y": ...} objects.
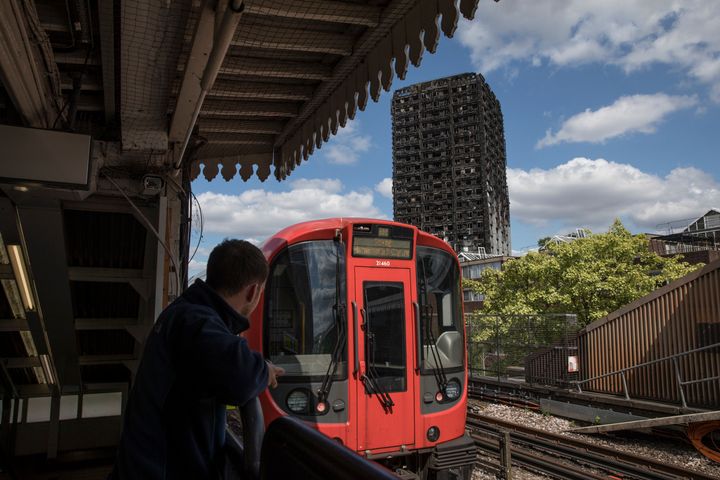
[{"x": 366, "y": 318}]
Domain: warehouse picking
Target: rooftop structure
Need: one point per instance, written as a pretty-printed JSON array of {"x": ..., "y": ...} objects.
[
  {"x": 698, "y": 240},
  {"x": 472, "y": 265}
]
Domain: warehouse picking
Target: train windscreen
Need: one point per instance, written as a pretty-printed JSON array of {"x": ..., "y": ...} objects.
[
  {"x": 441, "y": 313},
  {"x": 302, "y": 298}
]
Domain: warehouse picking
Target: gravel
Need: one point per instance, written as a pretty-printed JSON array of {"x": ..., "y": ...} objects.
[{"x": 669, "y": 451}]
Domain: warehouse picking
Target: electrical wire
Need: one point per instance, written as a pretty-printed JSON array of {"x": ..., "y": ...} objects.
[
  {"x": 150, "y": 227},
  {"x": 202, "y": 226},
  {"x": 197, "y": 275},
  {"x": 200, "y": 214}
]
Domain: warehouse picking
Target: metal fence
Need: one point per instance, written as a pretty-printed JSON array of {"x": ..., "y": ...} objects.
[
  {"x": 538, "y": 349},
  {"x": 681, "y": 317}
]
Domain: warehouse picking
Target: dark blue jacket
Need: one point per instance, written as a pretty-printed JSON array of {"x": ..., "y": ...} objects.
[{"x": 194, "y": 364}]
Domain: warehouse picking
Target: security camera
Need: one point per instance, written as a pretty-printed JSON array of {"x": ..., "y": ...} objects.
[{"x": 152, "y": 185}]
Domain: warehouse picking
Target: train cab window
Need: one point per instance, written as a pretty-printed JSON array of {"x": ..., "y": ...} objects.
[
  {"x": 301, "y": 326},
  {"x": 385, "y": 334},
  {"x": 441, "y": 322}
]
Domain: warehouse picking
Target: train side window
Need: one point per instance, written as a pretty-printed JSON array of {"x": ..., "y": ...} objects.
[
  {"x": 300, "y": 325},
  {"x": 439, "y": 296}
]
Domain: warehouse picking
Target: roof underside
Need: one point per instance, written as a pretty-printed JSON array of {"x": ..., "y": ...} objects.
[{"x": 296, "y": 71}]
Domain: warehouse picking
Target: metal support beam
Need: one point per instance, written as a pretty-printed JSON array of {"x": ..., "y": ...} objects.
[
  {"x": 6, "y": 272},
  {"x": 261, "y": 127},
  {"x": 106, "y": 15},
  {"x": 43, "y": 234},
  {"x": 243, "y": 109},
  {"x": 90, "y": 83},
  {"x": 78, "y": 58},
  {"x": 213, "y": 34},
  {"x": 54, "y": 425},
  {"x": 318, "y": 10},
  {"x": 161, "y": 263},
  {"x": 276, "y": 69},
  {"x": 190, "y": 89},
  {"x": 260, "y": 91},
  {"x": 131, "y": 325},
  {"x": 20, "y": 362},
  {"x": 13, "y": 325},
  {"x": 21, "y": 72},
  {"x": 104, "y": 323},
  {"x": 104, "y": 274},
  {"x": 106, "y": 359},
  {"x": 293, "y": 39},
  {"x": 240, "y": 139}
]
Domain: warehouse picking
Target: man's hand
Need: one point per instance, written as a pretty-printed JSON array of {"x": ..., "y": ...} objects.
[{"x": 273, "y": 373}]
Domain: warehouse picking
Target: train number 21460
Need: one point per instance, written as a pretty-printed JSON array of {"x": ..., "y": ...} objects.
[{"x": 382, "y": 263}]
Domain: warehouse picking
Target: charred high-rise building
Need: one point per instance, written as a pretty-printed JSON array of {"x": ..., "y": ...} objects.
[{"x": 449, "y": 163}]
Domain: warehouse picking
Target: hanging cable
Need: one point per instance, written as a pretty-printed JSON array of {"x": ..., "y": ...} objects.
[
  {"x": 202, "y": 223},
  {"x": 151, "y": 228}
]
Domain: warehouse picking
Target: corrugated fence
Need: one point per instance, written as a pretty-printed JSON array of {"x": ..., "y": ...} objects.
[{"x": 681, "y": 316}]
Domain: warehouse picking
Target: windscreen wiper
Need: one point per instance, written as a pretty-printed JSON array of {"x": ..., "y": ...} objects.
[
  {"x": 429, "y": 337},
  {"x": 439, "y": 370},
  {"x": 370, "y": 378},
  {"x": 339, "y": 310}
]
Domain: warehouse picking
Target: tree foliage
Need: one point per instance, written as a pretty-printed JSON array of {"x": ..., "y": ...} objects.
[{"x": 590, "y": 277}]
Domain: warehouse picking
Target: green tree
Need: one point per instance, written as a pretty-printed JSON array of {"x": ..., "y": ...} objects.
[{"x": 590, "y": 277}]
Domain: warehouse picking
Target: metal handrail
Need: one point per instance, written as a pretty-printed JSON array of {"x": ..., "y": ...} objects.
[{"x": 678, "y": 376}]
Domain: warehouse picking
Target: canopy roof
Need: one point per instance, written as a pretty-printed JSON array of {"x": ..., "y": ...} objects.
[{"x": 298, "y": 70}]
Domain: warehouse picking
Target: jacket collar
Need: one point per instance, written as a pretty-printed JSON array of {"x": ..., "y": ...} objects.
[{"x": 201, "y": 293}]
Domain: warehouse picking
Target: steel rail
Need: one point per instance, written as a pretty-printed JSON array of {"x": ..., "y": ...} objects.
[
  {"x": 528, "y": 460},
  {"x": 589, "y": 454}
]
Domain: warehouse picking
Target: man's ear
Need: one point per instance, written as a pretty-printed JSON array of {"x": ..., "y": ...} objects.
[{"x": 251, "y": 291}]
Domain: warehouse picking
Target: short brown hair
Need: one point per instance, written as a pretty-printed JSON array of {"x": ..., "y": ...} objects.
[{"x": 235, "y": 264}]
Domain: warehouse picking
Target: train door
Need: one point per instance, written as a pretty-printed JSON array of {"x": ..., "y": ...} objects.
[{"x": 386, "y": 397}]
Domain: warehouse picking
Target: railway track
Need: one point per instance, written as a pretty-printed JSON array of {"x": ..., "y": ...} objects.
[{"x": 567, "y": 458}]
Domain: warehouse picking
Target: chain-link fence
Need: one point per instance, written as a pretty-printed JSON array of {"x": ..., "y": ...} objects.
[{"x": 539, "y": 349}]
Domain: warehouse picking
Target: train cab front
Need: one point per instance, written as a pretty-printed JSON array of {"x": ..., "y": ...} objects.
[{"x": 366, "y": 319}]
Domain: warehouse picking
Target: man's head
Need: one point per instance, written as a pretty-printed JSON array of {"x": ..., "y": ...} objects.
[{"x": 237, "y": 270}]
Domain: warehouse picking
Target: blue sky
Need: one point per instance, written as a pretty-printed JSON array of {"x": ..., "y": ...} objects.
[{"x": 611, "y": 109}]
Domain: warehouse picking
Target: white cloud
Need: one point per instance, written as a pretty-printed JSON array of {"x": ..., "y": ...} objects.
[
  {"x": 257, "y": 214},
  {"x": 384, "y": 188},
  {"x": 591, "y": 193},
  {"x": 629, "y": 114},
  {"x": 196, "y": 269},
  {"x": 631, "y": 34},
  {"x": 345, "y": 147}
]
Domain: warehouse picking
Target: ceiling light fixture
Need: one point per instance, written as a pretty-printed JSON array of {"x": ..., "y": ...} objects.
[
  {"x": 18, "y": 265},
  {"x": 47, "y": 367}
]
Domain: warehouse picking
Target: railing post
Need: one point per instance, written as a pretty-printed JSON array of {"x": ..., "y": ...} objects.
[
  {"x": 625, "y": 387},
  {"x": 497, "y": 345},
  {"x": 679, "y": 382},
  {"x": 505, "y": 455}
]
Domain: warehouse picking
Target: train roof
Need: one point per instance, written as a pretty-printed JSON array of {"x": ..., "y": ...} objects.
[{"x": 292, "y": 232}]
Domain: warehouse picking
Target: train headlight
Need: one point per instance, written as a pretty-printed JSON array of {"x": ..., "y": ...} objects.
[
  {"x": 433, "y": 434},
  {"x": 297, "y": 401},
  {"x": 452, "y": 390}
]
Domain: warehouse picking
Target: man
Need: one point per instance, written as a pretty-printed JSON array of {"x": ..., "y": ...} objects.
[{"x": 194, "y": 364}]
